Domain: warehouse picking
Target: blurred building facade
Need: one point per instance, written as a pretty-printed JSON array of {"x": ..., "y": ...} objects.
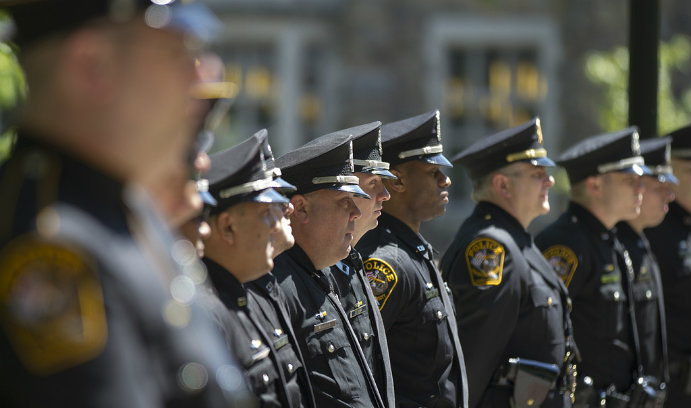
[{"x": 308, "y": 67}]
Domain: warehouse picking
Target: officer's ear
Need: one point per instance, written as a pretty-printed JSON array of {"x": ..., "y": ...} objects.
[
  {"x": 301, "y": 209},
  {"x": 593, "y": 185},
  {"x": 398, "y": 184},
  {"x": 225, "y": 227},
  {"x": 500, "y": 184}
]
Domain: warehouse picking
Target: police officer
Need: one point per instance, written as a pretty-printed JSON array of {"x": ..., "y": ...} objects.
[
  {"x": 238, "y": 250},
  {"x": 348, "y": 276},
  {"x": 646, "y": 285},
  {"x": 426, "y": 358},
  {"x": 671, "y": 245},
  {"x": 581, "y": 246},
  {"x": 322, "y": 224},
  {"x": 509, "y": 302},
  {"x": 90, "y": 312}
]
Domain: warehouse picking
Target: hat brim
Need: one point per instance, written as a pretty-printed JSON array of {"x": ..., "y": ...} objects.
[
  {"x": 437, "y": 159},
  {"x": 542, "y": 161},
  {"x": 282, "y": 185},
  {"x": 385, "y": 174},
  {"x": 666, "y": 178},
  {"x": 268, "y": 195},
  {"x": 350, "y": 188},
  {"x": 638, "y": 169}
]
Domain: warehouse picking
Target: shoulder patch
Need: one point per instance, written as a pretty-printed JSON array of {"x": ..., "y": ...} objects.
[
  {"x": 485, "y": 259},
  {"x": 382, "y": 279},
  {"x": 51, "y": 304},
  {"x": 563, "y": 261}
]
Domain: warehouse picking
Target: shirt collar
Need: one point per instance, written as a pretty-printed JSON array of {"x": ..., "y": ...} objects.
[
  {"x": 229, "y": 289},
  {"x": 580, "y": 214}
]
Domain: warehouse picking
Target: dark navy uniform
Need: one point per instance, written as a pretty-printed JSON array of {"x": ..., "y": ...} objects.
[
  {"x": 87, "y": 275},
  {"x": 518, "y": 308},
  {"x": 426, "y": 356},
  {"x": 336, "y": 364},
  {"x": 353, "y": 290},
  {"x": 266, "y": 300},
  {"x": 648, "y": 300},
  {"x": 266, "y": 356},
  {"x": 509, "y": 302},
  {"x": 671, "y": 244},
  {"x": 420, "y": 326},
  {"x": 581, "y": 251}
]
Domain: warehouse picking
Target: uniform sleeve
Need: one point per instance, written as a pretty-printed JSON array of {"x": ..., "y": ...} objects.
[
  {"x": 487, "y": 295},
  {"x": 391, "y": 285},
  {"x": 569, "y": 257}
]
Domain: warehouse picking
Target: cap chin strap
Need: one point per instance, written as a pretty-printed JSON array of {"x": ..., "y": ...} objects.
[
  {"x": 336, "y": 179},
  {"x": 421, "y": 151},
  {"x": 256, "y": 185},
  {"x": 526, "y": 154},
  {"x": 621, "y": 164},
  {"x": 372, "y": 164}
]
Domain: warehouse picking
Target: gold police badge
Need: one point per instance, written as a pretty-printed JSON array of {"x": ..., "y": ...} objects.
[
  {"x": 382, "y": 279},
  {"x": 51, "y": 304},
  {"x": 563, "y": 261},
  {"x": 485, "y": 259}
]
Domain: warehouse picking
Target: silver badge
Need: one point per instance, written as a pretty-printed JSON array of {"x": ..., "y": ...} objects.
[{"x": 635, "y": 145}]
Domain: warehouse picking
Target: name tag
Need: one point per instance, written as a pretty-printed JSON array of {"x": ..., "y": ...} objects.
[
  {"x": 324, "y": 326},
  {"x": 357, "y": 311},
  {"x": 260, "y": 355},
  {"x": 432, "y": 293},
  {"x": 280, "y": 342}
]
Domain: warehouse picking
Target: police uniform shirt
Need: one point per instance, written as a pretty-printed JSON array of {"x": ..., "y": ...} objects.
[
  {"x": 671, "y": 243},
  {"x": 336, "y": 365},
  {"x": 647, "y": 299},
  {"x": 509, "y": 302},
  {"x": 581, "y": 251},
  {"x": 357, "y": 300},
  {"x": 265, "y": 300},
  {"x": 425, "y": 366},
  {"x": 252, "y": 346},
  {"x": 81, "y": 304}
]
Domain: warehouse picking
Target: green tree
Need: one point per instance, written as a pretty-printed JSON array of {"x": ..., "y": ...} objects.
[
  {"x": 609, "y": 70},
  {"x": 12, "y": 89}
]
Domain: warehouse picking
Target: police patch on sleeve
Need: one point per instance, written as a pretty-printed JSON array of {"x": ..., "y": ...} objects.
[
  {"x": 485, "y": 259},
  {"x": 382, "y": 279},
  {"x": 51, "y": 305},
  {"x": 563, "y": 261}
]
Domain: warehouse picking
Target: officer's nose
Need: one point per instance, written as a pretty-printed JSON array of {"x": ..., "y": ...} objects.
[{"x": 444, "y": 180}]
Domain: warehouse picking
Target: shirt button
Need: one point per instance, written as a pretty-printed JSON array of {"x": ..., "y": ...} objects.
[
  {"x": 440, "y": 315},
  {"x": 265, "y": 378},
  {"x": 549, "y": 301},
  {"x": 648, "y": 294},
  {"x": 331, "y": 348},
  {"x": 616, "y": 295},
  {"x": 291, "y": 368},
  {"x": 365, "y": 336}
]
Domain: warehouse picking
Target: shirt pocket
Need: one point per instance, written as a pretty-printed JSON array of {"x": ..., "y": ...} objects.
[
  {"x": 334, "y": 369},
  {"x": 646, "y": 303},
  {"x": 613, "y": 302},
  {"x": 261, "y": 370},
  {"x": 547, "y": 314}
]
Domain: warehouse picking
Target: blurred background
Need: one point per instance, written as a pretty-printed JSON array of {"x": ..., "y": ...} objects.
[{"x": 304, "y": 68}]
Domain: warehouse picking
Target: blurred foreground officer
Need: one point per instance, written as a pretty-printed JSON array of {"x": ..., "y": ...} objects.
[
  {"x": 671, "y": 244},
  {"x": 512, "y": 308},
  {"x": 426, "y": 357},
  {"x": 94, "y": 309},
  {"x": 238, "y": 250},
  {"x": 322, "y": 225},
  {"x": 581, "y": 246},
  {"x": 348, "y": 275},
  {"x": 647, "y": 286}
]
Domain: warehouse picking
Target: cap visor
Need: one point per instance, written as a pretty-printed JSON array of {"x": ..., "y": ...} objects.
[
  {"x": 639, "y": 169},
  {"x": 283, "y": 185},
  {"x": 195, "y": 19},
  {"x": 351, "y": 188},
  {"x": 436, "y": 159},
  {"x": 379, "y": 172},
  {"x": 542, "y": 161},
  {"x": 207, "y": 198},
  {"x": 667, "y": 178},
  {"x": 269, "y": 195}
]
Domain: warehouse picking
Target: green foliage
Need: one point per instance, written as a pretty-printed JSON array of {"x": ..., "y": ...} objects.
[
  {"x": 12, "y": 90},
  {"x": 610, "y": 71}
]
